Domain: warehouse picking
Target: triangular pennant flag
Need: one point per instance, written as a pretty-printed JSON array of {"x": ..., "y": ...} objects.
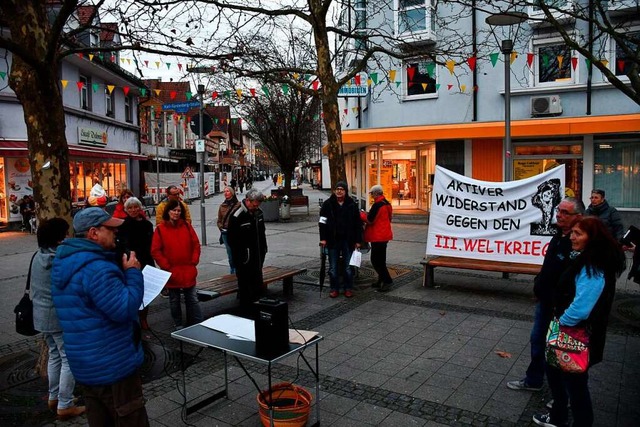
[
  {"x": 135, "y": 61},
  {"x": 122, "y": 60},
  {"x": 3, "y": 74},
  {"x": 265, "y": 89},
  {"x": 110, "y": 88},
  {"x": 604, "y": 62},
  {"x": 95, "y": 87},
  {"x": 374, "y": 78},
  {"x": 357, "y": 79},
  {"x": 179, "y": 66},
  {"x": 146, "y": 63},
  {"x": 239, "y": 93},
  {"x": 157, "y": 64},
  {"x": 173, "y": 94},
  {"x": 450, "y": 65},
  {"x": 560, "y": 58},
  {"x": 80, "y": 85},
  {"x": 285, "y": 88},
  {"x": 168, "y": 65},
  {"x": 227, "y": 93},
  {"x": 157, "y": 91},
  {"x": 369, "y": 81},
  {"x": 113, "y": 58},
  {"x": 143, "y": 91},
  {"x": 91, "y": 55},
  {"x": 354, "y": 109},
  {"x": 315, "y": 84},
  {"x": 475, "y": 88},
  {"x": 409, "y": 84},
  {"x": 253, "y": 92},
  {"x": 129, "y": 61},
  {"x": 437, "y": 86},
  {"x": 620, "y": 63},
  {"x": 64, "y": 83},
  {"x": 214, "y": 95},
  {"x": 295, "y": 76},
  {"x": 472, "y": 63},
  {"x": 81, "y": 55},
  {"x": 234, "y": 121},
  {"x": 346, "y": 111},
  {"x": 227, "y": 119},
  {"x": 125, "y": 90},
  {"x": 392, "y": 75},
  {"x": 215, "y": 120},
  {"x": 449, "y": 86},
  {"x": 494, "y": 58},
  {"x": 463, "y": 88},
  {"x": 411, "y": 71},
  {"x": 587, "y": 62},
  {"x": 101, "y": 56},
  {"x": 188, "y": 95},
  {"x": 307, "y": 77},
  {"x": 398, "y": 84},
  {"x": 424, "y": 86},
  {"x": 529, "y": 59},
  {"x": 574, "y": 63},
  {"x": 513, "y": 57},
  {"x": 431, "y": 67},
  {"x": 545, "y": 61}
]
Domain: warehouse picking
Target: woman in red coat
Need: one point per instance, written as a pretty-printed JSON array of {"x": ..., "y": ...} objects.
[
  {"x": 378, "y": 232},
  {"x": 176, "y": 248}
]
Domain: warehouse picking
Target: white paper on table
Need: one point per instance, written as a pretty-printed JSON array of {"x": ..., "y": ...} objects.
[
  {"x": 154, "y": 281},
  {"x": 235, "y": 327}
]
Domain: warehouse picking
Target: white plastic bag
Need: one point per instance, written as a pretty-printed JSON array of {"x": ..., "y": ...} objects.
[{"x": 356, "y": 258}]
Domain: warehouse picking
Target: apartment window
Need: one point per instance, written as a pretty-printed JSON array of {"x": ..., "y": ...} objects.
[
  {"x": 110, "y": 103},
  {"x": 94, "y": 38},
  {"x": 616, "y": 170},
  {"x": 553, "y": 63},
  {"x": 360, "y": 23},
  {"x": 415, "y": 16},
  {"x": 420, "y": 78},
  {"x": 128, "y": 111},
  {"x": 85, "y": 93},
  {"x": 623, "y": 61}
]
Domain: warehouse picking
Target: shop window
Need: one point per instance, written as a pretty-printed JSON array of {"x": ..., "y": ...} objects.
[
  {"x": 420, "y": 78},
  {"x": 616, "y": 170},
  {"x": 553, "y": 64},
  {"x": 450, "y": 155}
]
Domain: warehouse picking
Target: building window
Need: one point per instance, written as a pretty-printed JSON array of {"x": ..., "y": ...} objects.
[
  {"x": 85, "y": 93},
  {"x": 624, "y": 61},
  {"x": 553, "y": 64},
  {"x": 616, "y": 170},
  {"x": 420, "y": 78},
  {"x": 128, "y": 111},
  {"x": 110, "y": 102},
  {"x": 415, "y": 16}
]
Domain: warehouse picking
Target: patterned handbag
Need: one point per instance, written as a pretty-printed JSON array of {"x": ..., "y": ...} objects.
[{"x": 567, "y": 347}]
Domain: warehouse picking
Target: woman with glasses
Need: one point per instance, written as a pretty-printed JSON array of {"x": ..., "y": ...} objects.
[
  {"x": 176, "y": 248},
  {"x": 136, "y": 234}
]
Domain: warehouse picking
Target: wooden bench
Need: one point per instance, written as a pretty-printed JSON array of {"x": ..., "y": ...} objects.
[
  {"x": 299, "y": 201},
  {"x": 505, "y": 268},
  {"x": 228, "y": 284}
]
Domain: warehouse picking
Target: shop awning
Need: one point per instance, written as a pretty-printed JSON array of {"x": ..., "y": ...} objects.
[{"x": 19, "y": 149}]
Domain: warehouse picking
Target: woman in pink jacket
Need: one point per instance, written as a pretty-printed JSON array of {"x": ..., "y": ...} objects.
[
  {"x": 176, "y": 248},
  {"x": 378, "y": 232}
]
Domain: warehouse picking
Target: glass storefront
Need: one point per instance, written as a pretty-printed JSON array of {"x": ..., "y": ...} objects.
[
  {"x": 616, "y": 170},
  {"x": 112, "y": 176}
]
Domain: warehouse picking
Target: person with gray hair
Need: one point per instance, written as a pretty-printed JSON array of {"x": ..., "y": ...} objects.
[
  {"x": 246, "y": 235},
  {"x": 378, "y": 232}
]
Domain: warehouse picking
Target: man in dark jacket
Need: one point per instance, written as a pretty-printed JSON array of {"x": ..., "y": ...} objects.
[
  {"x": 97, "y": 303},
  {"x": 608, "y": 214},
  {"x": 556, "y": 261},
  {"x": 247, "y": 239},
  {"x": 340, "y": 235}
]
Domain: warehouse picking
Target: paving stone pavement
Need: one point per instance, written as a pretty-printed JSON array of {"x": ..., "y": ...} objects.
[{"x": 409, "y": 357}]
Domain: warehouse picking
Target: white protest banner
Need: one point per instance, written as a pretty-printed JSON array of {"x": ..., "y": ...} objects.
[{"x": 498, "y": 221}]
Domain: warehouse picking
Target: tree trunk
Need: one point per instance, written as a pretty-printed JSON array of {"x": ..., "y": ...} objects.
[{"x": 38, "y": 92}]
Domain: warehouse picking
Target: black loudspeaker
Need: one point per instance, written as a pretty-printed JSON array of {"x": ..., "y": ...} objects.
[{"x": 272, "y": 328}]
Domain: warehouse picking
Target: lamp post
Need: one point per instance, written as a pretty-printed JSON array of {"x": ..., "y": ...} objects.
[
  {"x": 202, "y": 161},
  {"x": 512, "y": 21},
  {"x": 153, "y": 141}
]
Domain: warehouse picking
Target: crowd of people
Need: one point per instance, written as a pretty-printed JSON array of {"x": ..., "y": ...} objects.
[{"x": 88, "y": 289}]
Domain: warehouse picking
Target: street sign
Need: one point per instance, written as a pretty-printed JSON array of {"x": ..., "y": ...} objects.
[
  {"x": 200, "y": 145},
  {"x": 207, "y": 124},
  {"x": 187, "y": 174},
  {"x": 355, "y": 90},
  {"x": 180, "y": 107}
]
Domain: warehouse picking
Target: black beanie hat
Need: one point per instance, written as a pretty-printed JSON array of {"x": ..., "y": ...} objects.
[{"x": 343, "y": 184}]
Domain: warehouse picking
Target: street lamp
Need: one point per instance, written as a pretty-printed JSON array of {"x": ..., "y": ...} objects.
[
  {"x": 201, "y": 136},
  {"x": 511, "y": 21}
]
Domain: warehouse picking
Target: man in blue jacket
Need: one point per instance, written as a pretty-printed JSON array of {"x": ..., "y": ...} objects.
[{"x": 97, "y": 302}]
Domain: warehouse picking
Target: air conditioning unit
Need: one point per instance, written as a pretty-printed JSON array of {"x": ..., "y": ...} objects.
[{"x": 546, "y": 106}]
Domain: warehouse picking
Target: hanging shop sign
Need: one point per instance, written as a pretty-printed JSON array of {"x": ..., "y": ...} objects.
[{"x": 92, "y": 136}]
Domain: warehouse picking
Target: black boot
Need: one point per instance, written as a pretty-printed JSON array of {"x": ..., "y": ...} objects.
[{"x": 377, "y": 284}]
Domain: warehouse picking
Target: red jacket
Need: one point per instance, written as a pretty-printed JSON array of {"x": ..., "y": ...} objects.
[
  {"x": 176, "y": 248},
  {"x": 378, "y": 221}
]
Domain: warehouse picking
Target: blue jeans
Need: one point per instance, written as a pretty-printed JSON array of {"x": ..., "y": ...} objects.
[
  {"x": 192, "y": 305},
  {"x": 538, "y": 341},
  {"x": 341, "y": 248},
  {"x": 61, "y": 381},
  {"x": 224, "y": 236},
  {"x": 572, "y": 388}
]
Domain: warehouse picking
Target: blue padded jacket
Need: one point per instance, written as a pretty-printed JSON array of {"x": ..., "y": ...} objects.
[{"x": 97, "y": 304}]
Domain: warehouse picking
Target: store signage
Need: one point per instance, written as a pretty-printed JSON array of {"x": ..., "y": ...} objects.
[
  {"x": 355, "y": 87},
  {"x": 92, "y": 136}
]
